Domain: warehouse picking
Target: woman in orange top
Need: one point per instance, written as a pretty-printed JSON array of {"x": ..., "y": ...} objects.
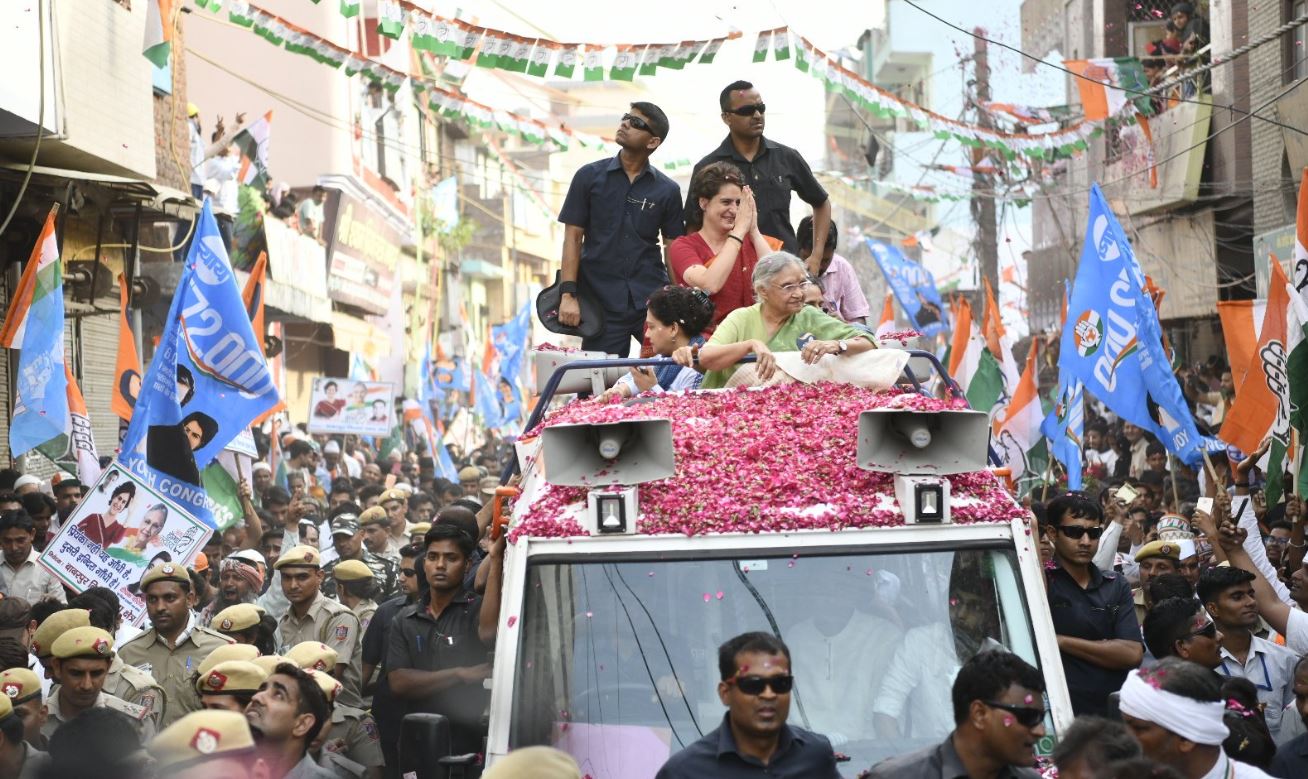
[{"x": 719, "y": 257}]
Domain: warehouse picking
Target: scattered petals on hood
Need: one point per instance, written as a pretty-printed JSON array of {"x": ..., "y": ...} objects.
[{"x": 775, "y": 459}]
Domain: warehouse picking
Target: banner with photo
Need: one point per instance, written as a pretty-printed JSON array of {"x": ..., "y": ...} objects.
[
  {"x": 119, "y": 530},
  {"x": 352, "y": 406}
]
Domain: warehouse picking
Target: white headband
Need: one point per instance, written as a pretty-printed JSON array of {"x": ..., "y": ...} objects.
[{"x": 1188, "y": 718}]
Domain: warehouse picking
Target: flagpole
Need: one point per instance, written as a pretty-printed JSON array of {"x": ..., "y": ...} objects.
[
  {"x": 1212, "y": 471},
  {"x": 1176, "y": 493}
]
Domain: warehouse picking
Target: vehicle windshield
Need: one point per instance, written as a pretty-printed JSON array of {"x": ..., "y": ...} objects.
[{"x": 618, "y": 662}]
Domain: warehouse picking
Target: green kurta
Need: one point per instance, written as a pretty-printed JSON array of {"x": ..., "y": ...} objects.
[{"x": 746, "y": 324}]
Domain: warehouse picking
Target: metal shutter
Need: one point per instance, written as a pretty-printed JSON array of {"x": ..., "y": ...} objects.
[
  {"x": 95, "y": 361},
  {"x": 4, "y": 409}
]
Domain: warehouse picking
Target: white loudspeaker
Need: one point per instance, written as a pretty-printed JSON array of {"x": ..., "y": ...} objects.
[
  {"x": 631, "y": 452},
  {"x": 592, "y": 380},
  {"x": 923, "y": 442}
]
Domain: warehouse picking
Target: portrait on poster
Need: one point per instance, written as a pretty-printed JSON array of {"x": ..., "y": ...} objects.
[{"x": 351, "y": 406}]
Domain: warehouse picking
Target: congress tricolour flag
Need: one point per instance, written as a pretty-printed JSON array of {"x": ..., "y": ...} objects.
[
  {"x": 253, "y": 298},
  {"x": 1114, "y": 345},
  {"x": 998, "y": 343},
  {"x": 1017, "y": 426},
  {"x": 887, "y": 321},
  {"x": 1261, "y": 407},
  {"x": 158, "y": 31},
  {"x": 1104, "y": 84},
  {"x": 253, "y": 143},
  {"x": 207, "y": 382},
  {"x": 35, "y": 325},
  {"x": 1297, "y": 362}
]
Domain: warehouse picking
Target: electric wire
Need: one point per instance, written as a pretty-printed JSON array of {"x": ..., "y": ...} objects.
[{"x": 40, "y": 115}]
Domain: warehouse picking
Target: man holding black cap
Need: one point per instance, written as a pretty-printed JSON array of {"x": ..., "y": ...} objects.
[
  {"x": 23, "y": 577},
  {"x": 614, "y": 213},
  {"x": 772, "y": 171}
]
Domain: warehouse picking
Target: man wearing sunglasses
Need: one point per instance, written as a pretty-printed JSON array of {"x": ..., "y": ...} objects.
[
  {"x": 772, "y": 170},
  {"x": 754, "y": 739},
  {"x": 1092, "y": 610},
  {"x": 999, "y": 715},
  {"x": 1180, "y": 627},
  {"x": 614, "y": 213},
  {"x": 386, "y": 707}
]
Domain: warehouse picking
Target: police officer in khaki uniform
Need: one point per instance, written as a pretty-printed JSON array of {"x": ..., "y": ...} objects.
[
  {"x": 136, "y": 686},
  {"x": 349, "y": 747},
  {"x": 356, "y": 588},
  {"x": 205, "y": 744},
  {"x": 19, "y": 758},
  {"x": 225, "y": 654},
  {"x": 175, "y": 645},
  {"x": 55, "y": 626},
  {"x": 230, "y": 685},
  {"x": 22, "y": 689},
  {"x": 81, "y": 660},
  {"x": 313, "y": 616},
  {"x": 396, "y": 503},
  {"x": 240, "y": 623}
]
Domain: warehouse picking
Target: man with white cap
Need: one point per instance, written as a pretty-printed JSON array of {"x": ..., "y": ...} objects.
[
  {"x": 261, "y": 478},
  {"x": 1175, "y": 710},
  {"x": 240, "y": 580}
]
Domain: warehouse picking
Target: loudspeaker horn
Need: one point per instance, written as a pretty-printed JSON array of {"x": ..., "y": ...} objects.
[
  {"x": 592, "y": 380},
  {"x": 923, "y": 442},
  {"x": 631, "y": 452}
]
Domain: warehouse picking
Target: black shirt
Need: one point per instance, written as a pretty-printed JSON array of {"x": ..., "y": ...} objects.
[
  {"x": 621, "y": 262},
  {"x": 937, "y": 762},
  {"x": 800, "y": 755},
  {"x": 1103, "y": 611},
  {"x": 450, "y": 641},
  {"x": 375, "y": 639},
  {"x": 775, "y": 172},
  {"x": 1291, "y": 761}
]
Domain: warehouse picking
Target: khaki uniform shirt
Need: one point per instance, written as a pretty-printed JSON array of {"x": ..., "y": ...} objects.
[
  {"x": 54, "y": 718},
  {"x": 353, "y": 735},
  {"x": 174, "y": 668},
  {"x": 136, "y": 686},
  {"x": 337, "y": 627},
  {"x": 364, "y": 610}
]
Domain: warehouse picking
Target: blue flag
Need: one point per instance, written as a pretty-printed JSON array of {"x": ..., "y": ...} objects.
[
  {"x": 1065, "y": 428},
  {"x": 914, "y": 288},
  {"x": 41, "y": 405},
  {"x": 488, "y": 402},
  {"x": 1113, "y": 341},
  {"x": 207, "y": 382},
  {"x": 510, "y": 340}
]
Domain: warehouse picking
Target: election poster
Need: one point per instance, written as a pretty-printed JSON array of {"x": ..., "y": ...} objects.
[
  {"x": 352, "y": 406},
  {"x": 121, "y": 528}
]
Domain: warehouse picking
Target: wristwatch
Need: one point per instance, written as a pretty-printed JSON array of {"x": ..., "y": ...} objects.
[{"x": 844, "y": 346}]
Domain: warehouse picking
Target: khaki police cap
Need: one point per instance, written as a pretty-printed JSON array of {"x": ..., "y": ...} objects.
[
  {"x": 419, "y": 528},
  {"x": 1169, "y": 549},
  {"x": 375, "y": 515},
  {"x": 352, "y": 571},
  {"x": 55, "y": 626},
  {"x": 394, "y": 493},
  {"x": 234, "y": 619},
  {"x": 312, "y": 655},
  {"x": 20, "y": 685},
  {"x": 232, "y": 677},
  {"x": 165, "y": 572},
  {"x": 535, "y": 763},
  {"x": 329, "y": 686},
  {"x": 470, "y": 473},
  {"x": 201, "y": 736},
  {"x": 84, "y": 642},
  {"x": 301, "y": 556},
  {"x": 227, "y": 653},
  {"x": 269, "y": 663},
  {"x": 6, "y": 708}
]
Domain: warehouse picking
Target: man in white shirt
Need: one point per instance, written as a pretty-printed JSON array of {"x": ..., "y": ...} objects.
[
  {"x": 23, "y": 577},
  {"x": 310, "y": 213},
  {"x": 1139, "y": 449}
]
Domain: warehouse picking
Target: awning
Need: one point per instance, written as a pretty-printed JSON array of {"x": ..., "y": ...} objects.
[
  {"x": 352, "y": 334},
  {"x": 481, "y": 269}
]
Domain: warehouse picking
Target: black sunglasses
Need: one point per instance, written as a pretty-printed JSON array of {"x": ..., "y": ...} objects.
[
  {"x": 753, "y": 685},
  {"x": 748, "y": 110},
  {"x": 1207, "y": 631},
  {"x": 1028, "y": 716},
  {"x": 408, "y": 571},
  {"x": 636, "y": 122},
  {"x": 1075, "y": 532}
]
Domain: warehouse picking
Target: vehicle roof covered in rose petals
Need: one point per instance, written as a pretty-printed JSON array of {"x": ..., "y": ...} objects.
[{"x": 755, "y": 460}]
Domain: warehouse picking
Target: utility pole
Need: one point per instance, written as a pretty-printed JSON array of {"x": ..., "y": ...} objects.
[{"x": 983, "y": 185}]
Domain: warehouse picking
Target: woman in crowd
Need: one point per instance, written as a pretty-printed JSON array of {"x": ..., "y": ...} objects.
[
  {"x": 778, "y": 322},
  {"x": 674, "y": 319},
  {"x": 719, "y": 257}
]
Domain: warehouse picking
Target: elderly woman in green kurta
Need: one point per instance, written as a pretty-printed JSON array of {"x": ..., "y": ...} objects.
[{"x": 775, "y": 324}]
